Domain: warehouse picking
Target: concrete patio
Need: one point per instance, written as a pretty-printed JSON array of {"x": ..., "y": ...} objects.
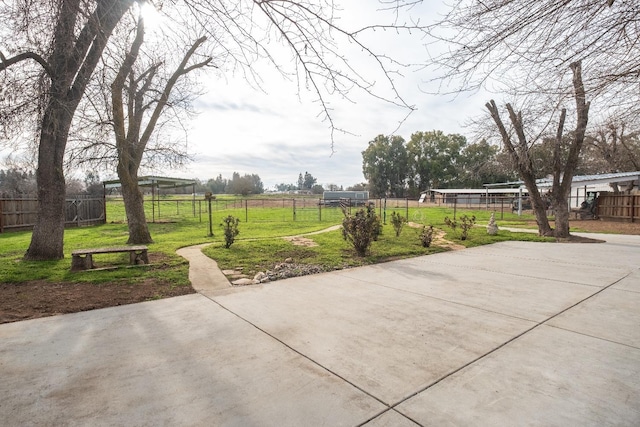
[{"x": 515, "y": 333}]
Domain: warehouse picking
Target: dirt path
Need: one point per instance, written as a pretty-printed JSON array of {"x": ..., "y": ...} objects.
[{"x": 300, "y": 240}]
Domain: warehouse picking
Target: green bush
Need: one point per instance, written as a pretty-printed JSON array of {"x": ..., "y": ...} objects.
[
  {"x": 466, "y": 223},
  {"x": 361, "y": 229},
  {"x": 230, "y": 225},
  {"x": 398, "y": 222},
  {"x": 426, "y": 236}
]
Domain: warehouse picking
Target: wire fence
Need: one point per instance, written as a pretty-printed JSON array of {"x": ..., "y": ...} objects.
[
  {"x": 255, "y": 209},
  {"x": 290, "y": 209}
]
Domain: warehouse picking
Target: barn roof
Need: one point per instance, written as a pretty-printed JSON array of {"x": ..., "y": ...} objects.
[
  {"x": 153, "y": 181},
  {"x": 578, "y": 180}
]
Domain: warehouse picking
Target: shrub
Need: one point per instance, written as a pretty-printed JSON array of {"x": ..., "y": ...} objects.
[
  {"x": 230, "y": 225},
  {"x": 361, "y": 229},
  {"x": 398, "y": 222},
  {"x": 426, "y": 236},
  {"x": 465, "y": 224}
]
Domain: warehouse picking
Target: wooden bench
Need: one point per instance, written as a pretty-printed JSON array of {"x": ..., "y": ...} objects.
[{"x": 82, "y": 259}]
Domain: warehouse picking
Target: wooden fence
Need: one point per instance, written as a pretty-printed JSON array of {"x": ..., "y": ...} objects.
[
  {"x": 21, "y": 214},
  {"x": 621, "y": 207}
]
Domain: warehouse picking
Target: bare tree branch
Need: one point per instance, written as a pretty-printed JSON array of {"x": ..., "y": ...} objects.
[{"x": 6, "y": 63}]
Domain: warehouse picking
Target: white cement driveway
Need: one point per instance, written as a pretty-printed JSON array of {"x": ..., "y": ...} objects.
[{"x": 509, "y": 334}]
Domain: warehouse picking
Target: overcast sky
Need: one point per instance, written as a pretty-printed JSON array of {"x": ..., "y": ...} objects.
[{"x": 277, "y": 134}]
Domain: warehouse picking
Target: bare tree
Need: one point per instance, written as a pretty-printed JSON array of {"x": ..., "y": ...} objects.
[
  {"x": 563, "y": 168},
  {"x": 245, "y": 31},
  {"x": 526, "y": 45},
  {"x": 66, "y": 60},
  {"x": 144, "y": 102}
]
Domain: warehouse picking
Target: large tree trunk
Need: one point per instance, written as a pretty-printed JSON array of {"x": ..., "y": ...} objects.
[
  {"x": 540, "y": 211},
  {"x": 73, "y": 59},
  {"x": 561, "y": 212},
  {"x": 48, "y": 232},
  {"x": 134, "y": 207}
]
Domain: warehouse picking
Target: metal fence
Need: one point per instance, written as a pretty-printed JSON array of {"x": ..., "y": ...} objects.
[
  {"x": 255, "y": 209},
  {"x": 21, "y": 213}
]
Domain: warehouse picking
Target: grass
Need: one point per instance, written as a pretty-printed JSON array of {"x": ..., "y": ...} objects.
[
  {"x": 258, "y": 247},
  {"x": 333, "y": 252}
]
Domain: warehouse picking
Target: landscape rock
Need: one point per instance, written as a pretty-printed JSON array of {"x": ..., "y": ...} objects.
[{"x": 244, "y": 282}]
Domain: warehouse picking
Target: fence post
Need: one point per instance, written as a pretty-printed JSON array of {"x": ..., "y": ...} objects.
[
  {"x": 455, "y": 206},
  {"x": 208, "y": 197},
  {"x": 319, "y": 210},
  {"x": 384, "y": 216},
  {"x": 406, "y": 199},
  {"x": 294, "y": 209},
  {"x": 246, "y": 210}
]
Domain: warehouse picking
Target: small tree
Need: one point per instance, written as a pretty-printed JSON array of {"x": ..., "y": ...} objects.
[
  {"x": 398, "y": 222},
  {"x": 426, "y": 236},
  {"x": 230, "y": 225},
  {"x": 465, "y": 224},
  {"x": 361, "y": 229}
]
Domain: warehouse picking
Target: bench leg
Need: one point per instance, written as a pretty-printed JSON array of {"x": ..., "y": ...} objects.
[
  {"x": 138, "y": 258},
  {"x": 79, "y": 262}
]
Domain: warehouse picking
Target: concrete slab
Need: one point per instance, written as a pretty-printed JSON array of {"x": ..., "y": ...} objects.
[
  {"x": 613, "y": 315},
  {"x": 620, "y": 252},
  {"x": 179, "y": 361},
  {"x": 391, "y": 418},
  {"x": 630, "y": 283},
  {"x": 548, "y": 377},
  {"x": 386, "y": 342},
  {"x": 452, "y": 338},
  {"x": 568, "y": 262},
  {"x": 513, "y": 295}
]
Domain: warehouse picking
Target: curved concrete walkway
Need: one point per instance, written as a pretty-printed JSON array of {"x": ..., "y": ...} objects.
[
  {"x": 515, "y": 333},
  {"x": 204, "y": 274}
]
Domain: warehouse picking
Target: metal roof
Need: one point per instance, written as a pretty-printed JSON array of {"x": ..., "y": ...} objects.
[
  {"x": 604, "y": 178},
  {"x": 153, "y": 181},
  {"x": 478, "y": 190},
  {"x": 579, "y": 180}
]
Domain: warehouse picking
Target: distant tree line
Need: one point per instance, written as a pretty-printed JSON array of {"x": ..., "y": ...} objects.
[
  {"x": 394, "y": 167},
  {"x": 306, "y": 183},
  {"x": 245, "y": 185}
]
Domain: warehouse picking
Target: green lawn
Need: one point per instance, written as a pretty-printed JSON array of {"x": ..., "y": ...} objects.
[{"x": 258, "y": 246}]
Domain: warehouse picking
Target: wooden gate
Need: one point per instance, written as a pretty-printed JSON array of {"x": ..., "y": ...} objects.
[
  {"x": 21, "y": 214},
  {"x": 621, "y": 207}
]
